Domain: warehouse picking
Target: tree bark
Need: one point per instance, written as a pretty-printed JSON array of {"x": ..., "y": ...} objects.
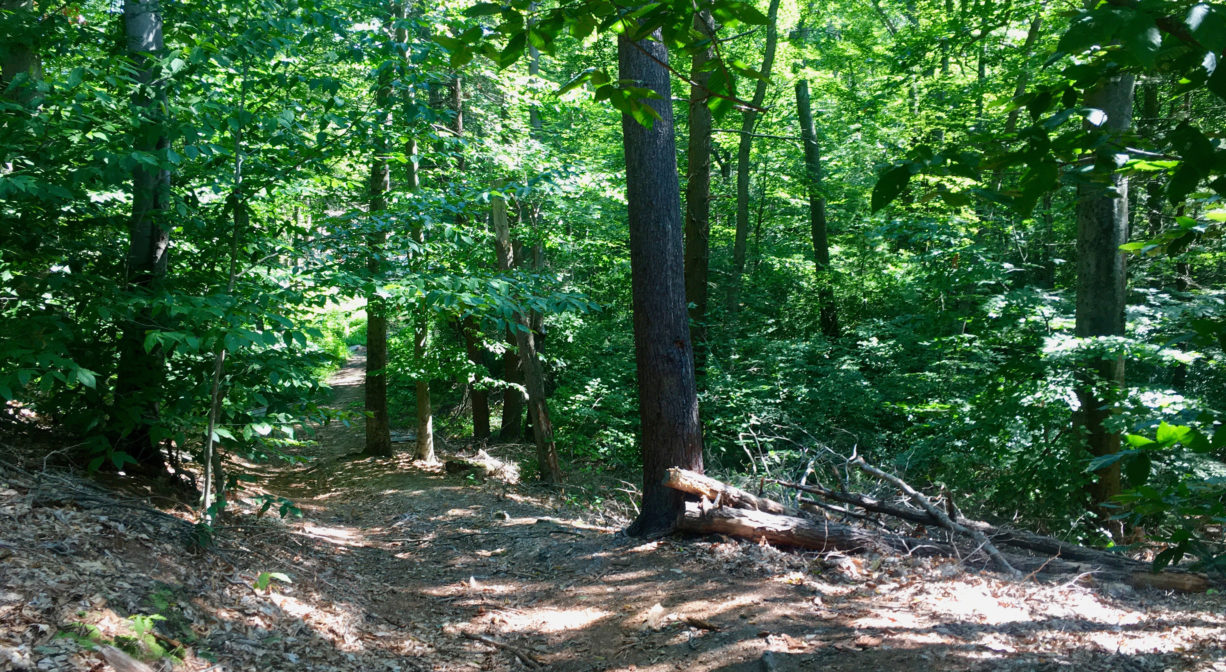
[
  {"x": 722, "y": 493},
  {"x": 141, "y": 373},
  {"x": 470, "y": 331},
  {"x": 21, "y": 55},
  {"x": 748, "y": 118},
  {"x": 817, "y": 213},
  {"x": 1102, "y": 226},
  {"x": 378, "y": 425},
  {"x": 798, "y": 532},
  {"x": 670, "y": 434},
  {"x": 534, "y": 379},
  {"x": 698, "y": 195}
]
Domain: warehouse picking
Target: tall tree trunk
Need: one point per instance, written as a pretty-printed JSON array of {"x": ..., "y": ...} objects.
[
  {"x": 817, "y": 213},
  {"x": 748, "y": 119},
  {"x": 698, "y": 195},
  {"x": 424, "y": 446},
  {"x": 21, "y": 54},
  {"x": 141, "y": 373},
  {"x": 470, "y": 330},
  {"x": 534, "y": 379},
  {"x": 378, "y": 424},
  {"x": 1102, "y": 226},
  {"x": 670, "y": 434}
]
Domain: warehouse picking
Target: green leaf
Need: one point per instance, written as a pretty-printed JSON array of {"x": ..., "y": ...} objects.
[
  {"x": 1103, "y": 461},
  {"x": 890, "y": 185},
  {"x": 1137, "y": 470},
  {"x": 484, "y": 9},
  {"x": 1169, "y": 435},
  {"x": 576, "y": 81},
  {"x": 1141, "y": 39},
  {"x": 1208, "y": 25}
]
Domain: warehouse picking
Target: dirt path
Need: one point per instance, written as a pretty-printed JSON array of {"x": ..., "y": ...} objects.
[{"x": 398, "y": 567}]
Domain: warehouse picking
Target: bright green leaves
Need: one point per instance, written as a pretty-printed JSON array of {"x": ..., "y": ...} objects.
[
  {"x": 519, "y": 24},
  {"x": 894, "y": 179},
  {"x": 621, "y": 94},
  {"x": 1133, "y": 29}
]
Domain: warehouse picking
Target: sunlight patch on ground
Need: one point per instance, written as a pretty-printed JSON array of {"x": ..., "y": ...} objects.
[
  {"x": 980, "y": 603},
  {"x": 342, "y": 536},
  {"x": 554, "y": 620}
]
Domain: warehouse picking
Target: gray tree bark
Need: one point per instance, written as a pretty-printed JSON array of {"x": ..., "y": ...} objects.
[
  {"x": 817, "y": 212},
  {"x": 1102, "y": 226},
  {"x": 21, "y": 54},
  {"x": 748, "y": 119},
  {"x": 534, "y": 379},
  {"x": 141, "y": 373},
  {"x": 698, "y": 195}
]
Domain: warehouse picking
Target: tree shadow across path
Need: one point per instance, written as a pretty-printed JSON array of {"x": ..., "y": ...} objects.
[
  {"x": 398, "y": 566},
  {"x": 441, "y": 560}
]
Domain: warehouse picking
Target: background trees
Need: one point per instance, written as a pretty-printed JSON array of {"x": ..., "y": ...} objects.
[{"x": 952, "y": 172}]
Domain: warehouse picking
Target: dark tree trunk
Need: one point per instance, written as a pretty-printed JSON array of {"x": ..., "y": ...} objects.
[
  {"x": 817, "y": 213},
  {"x": 748, "y": 119},
  {"x": 1102, "y": 226},
  {"x": 698, "y": 196},
  {"x": 141, "y": 373},
  {"x": 670, "y": 434},
  {"x": 378, "y": 425},
  {"x": 22, "y": 55},
  {"x": 470, "y": 331},
  {"x": 512, "y": 399}
]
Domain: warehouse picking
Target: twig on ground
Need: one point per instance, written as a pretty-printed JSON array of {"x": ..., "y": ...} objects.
[{"x": 524, "y": 657}]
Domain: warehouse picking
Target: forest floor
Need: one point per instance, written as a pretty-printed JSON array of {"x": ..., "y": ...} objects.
[{"x": 398, "y": 566}]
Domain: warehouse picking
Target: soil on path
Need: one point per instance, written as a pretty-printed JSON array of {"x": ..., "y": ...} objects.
[{"x": 398, "y": 566}]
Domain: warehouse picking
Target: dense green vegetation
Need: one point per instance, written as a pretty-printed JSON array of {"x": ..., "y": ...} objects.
[{"x": 198, "y": 221}]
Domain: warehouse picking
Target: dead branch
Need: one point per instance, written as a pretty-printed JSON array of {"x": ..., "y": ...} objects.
[
  {"x": 524, "y": 657},
  {"x": 922, "y": 501}
]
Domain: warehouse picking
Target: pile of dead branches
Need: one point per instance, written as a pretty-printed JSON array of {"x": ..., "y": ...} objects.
[{"x": 938, "y": 530}]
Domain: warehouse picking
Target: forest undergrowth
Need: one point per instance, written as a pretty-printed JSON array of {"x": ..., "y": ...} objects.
[{"x": 393, "y": 565}]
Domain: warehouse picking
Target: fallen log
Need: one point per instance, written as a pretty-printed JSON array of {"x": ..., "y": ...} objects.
[
  {"x": 799, "y": 532},
  {"x": 723, "y": 494},
  {"x": 1004, "y": 536}
]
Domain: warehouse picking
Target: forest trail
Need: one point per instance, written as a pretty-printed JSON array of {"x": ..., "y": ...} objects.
[{"x": 399, "y": 567}]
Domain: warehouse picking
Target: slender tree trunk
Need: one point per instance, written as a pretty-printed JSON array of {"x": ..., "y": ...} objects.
[
  {"x": 817, "y": 213},
  {"x": 748, "y": 119},
  {"x": 22, "y": 55},
  {"x": 424, "y": 446},
  {"x": 141, "y": 373},
  {"x": 1102, "y": 226},
  {"x": 378, "y": 424},
  {"x": 698, "y": 196},
  {"x": 534, "y": 379},
  {"x": 470, "y": 330},
  {"x": 512, "y": 399},
  {"x": 671, "y": 435}
]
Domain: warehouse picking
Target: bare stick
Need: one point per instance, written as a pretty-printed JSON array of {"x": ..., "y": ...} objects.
[
  {"x": 523, "y": 656},
  {"x": 939, "y": 515}
]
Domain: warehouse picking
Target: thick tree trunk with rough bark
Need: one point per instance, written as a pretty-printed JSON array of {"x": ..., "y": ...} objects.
[
  {"x": 140, "y": 374},
  {"x": 817, "y": 212},
  {"x": 698, "y": 196},
  {"x": 748, "y": 119},
  {"x": 670, "y": 434},
  {"x": 1102, "y": 226}
]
